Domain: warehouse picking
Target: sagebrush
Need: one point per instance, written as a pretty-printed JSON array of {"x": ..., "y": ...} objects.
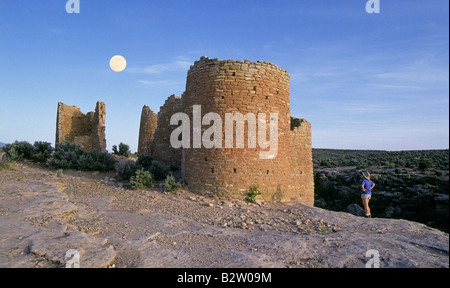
[
  {"x": 124, "y": 150},
  {"x": 141, "y": 179},
  {"x": 69, "y": 155},
  {"x": 171, "y": 185},
  {"x": 126, "y": 170}
]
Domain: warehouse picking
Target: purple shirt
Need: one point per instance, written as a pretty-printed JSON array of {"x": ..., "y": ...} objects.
[{"x": 367, "y": 185}]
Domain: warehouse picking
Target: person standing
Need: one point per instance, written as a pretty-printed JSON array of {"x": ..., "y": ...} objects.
[{"x": 366, "y": 193}]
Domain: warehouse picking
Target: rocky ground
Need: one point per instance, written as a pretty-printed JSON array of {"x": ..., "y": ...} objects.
[{"x": 42, "y": 216}]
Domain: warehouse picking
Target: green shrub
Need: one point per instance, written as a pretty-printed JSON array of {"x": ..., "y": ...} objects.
[
  {"x": 19, "y": 151},
  {"x": 126, "y": 170},
  {"x": 66, "y": 156},
  {"x": 69, "y": 155},
  {"x": 59, "y": 173},
  {"x": 158, "y": 170},
  {"x": 141, "y": 179},
  {"x": 425, "y": 165},
  {"x": 144, "y": 162},
  {"x": 171, "y": 184},
  {"x": 42, "y": 151},
  {"x": 96, "y": 161},
  {"x": 252, "y": 193},
  {"x": 362, "y": 165},
  {"x": 124, "y": 150}
]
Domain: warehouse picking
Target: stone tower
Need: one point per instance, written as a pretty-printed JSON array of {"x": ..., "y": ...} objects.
[
  {"x": 240, "y": 88},
  {"x": 86, "y": 130},
  {"x": 163, "y": 151},
  {"x": 245, "y": 87},
  {"x": 147, "y": 129}
]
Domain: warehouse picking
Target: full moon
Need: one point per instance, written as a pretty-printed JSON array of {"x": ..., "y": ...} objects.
[{"x": 118, "y": 63}]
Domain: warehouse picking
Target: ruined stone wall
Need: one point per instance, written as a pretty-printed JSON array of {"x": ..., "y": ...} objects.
[
  {"x": 162, "y": 150},
  {"x": 301, "y": 161},
  {"x": 239, "y": 86},
  {"x": 86, "y": 130},
  {"x": 149, "y": 121},
  {"x": 232, "y": 87}
]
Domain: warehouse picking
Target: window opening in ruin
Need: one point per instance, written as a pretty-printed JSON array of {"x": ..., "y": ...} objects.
[
  {"x": 234, "y": 170},
  {"x": 212, "y": 170},
  {"x": 268, "y": 171}
]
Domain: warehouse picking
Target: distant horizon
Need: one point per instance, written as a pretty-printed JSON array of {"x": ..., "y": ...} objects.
[
  {"x": 339, "y": 149},
  {"x": 375, "y": 81}
]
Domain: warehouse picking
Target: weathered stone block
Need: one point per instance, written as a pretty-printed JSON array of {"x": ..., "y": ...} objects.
[{"x": 86, "y": 130}]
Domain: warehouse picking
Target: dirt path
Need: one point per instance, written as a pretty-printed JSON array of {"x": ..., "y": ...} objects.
[{"x": 43, "y": 216}]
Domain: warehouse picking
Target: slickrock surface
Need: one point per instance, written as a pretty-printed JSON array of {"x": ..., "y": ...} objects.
[{"x": 43, "y": 216}]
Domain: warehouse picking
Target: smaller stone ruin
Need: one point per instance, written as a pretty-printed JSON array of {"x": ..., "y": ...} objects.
[
  {"x": 148, "y": 125},
  {"x": 86, "y": 130}
]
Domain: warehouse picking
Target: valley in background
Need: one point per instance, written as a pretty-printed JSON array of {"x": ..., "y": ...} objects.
[{"x": 411, "y": 185}]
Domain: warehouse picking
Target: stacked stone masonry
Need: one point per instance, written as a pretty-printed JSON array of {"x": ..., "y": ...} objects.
[
  {"x": 86, "y": 130},
  {"x": 149, "y": 121},
  {"x": 163, "y": 151},
  {"x": 240, "y": 87}
]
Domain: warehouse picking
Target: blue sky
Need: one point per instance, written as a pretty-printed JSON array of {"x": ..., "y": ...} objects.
[{"x": 364, "y": 81}]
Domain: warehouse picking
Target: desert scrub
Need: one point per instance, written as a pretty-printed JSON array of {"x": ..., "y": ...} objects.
[
  {"x": 171, "y": 185},
  {"x": 144, "y": 161},
  {"x": 19, "y": 151},
  {"x": 59, "y": 173},
  {"x": 158, "y": 170},
  {"x": 425, "y": 164},
  {"x": 409, "y": 159},
  {"x": 124, "y": 150},
  {"x": 66, "y": 156},
  {"x": 97, "y": 161},
  {"x": 252, "y": 193},
  {"x": 69, "y": 155},
  {"x": 42, "y": 151},
  {"x": 126, "y": 170},
  {"x": 362, "y": 165},
  {"x": 141, "y": 179}
]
